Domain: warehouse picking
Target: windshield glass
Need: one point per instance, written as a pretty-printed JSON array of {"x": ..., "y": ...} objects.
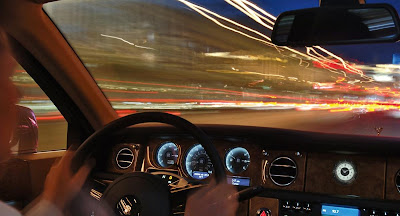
[{"x": 212, "y": 61}]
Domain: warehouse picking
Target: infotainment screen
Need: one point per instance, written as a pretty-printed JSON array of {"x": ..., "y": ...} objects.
[{"x": 333, "y": 210}]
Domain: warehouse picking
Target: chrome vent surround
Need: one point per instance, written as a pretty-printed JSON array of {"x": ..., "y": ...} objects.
[
  {"x": 283, "y": 171},
  {"x": 124, "y": 158},
  {"x": 397, "y": 181}
]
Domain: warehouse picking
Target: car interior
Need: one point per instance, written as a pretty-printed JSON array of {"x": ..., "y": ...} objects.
[{"x": 168, "y": 95}]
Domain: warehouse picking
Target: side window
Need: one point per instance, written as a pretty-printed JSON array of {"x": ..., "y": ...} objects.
[{"x": 52, "y": 126}]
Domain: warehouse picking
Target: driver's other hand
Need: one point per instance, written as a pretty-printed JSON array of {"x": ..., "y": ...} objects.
[
  {"x": 61, "y": 184},
  {"x": 221, "y": 200}
]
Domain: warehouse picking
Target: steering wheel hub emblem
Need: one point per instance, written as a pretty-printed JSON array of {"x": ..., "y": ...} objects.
[{"x": 128, "y": 206}]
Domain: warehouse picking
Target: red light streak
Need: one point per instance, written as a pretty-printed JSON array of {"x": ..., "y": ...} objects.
[
  {"x": 129, "y": 92},
  {"x": 19, "y": 71},
  {"x": 256, "y": 82},
  {"x": 173, "y": 113},
  {"x": 174, "y": 100},
  {"x": 333, "y": 64},
  {"x": 122, "y": 113},
  {"x": 49, "y": 118}
]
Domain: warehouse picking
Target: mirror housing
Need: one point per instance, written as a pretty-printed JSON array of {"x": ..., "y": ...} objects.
[
  {"x": 365, "y": 23},
  {"x": 25, "y": 136}
]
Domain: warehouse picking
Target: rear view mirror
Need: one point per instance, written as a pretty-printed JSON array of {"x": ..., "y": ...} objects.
[
  {"x": 25, "y": 135},
  {"x": 337, "y": 25}
]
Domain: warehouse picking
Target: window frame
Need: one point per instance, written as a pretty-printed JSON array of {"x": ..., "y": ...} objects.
[{"x": 79, "y": 127}]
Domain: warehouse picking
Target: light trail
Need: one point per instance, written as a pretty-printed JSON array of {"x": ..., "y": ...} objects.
[
  {"x": 386, "y": 92},
  {"x": 345, "y": 65},
  {"x": 240, "y": 5},
  {"x": 247, "y": 73},
  {"x": 19, "y": 71},
  {"x": 129, "y": 92},
  {"x": 50, "y": 118},
  {"x": 331, "y": 107},
  {"x": 243, "y": 6},
  {"x": 203, "y": 11},
  {"x": 130, "y": 43},
  {"x": 200, "y": 10},
  {"x": 182, "y": 86},
  {"x": 259, "y": 9},
  {"x": 121, "y": 113},
  {"x": 26, "y": 85},
  {"x": 309, "y": 101}
]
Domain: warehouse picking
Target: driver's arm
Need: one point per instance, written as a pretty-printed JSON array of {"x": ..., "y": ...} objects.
[
  {"x": 61, "y": 186},
  {"x": 221, "y": 200},
  {"x": 44, "y": 208}
]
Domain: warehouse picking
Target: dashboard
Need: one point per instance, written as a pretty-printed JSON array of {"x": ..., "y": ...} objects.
[{"x": 302, "y": 173}]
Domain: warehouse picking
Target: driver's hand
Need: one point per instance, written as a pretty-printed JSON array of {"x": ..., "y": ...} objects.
[
  {"x": 221, "y": 200},
  {"x": 61, "y": 185}
]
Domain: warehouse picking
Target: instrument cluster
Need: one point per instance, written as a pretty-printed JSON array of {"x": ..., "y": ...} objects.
[{"x": 195, "y": 162}]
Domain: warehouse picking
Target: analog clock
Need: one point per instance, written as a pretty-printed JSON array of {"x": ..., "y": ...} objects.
[{"x": 345, "y": 172}]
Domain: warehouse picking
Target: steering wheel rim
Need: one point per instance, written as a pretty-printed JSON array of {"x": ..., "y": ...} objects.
[{"x": 85, "y": 149}]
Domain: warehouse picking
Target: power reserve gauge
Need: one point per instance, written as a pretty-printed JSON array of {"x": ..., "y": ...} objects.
[{"x": 237, "y": 160}]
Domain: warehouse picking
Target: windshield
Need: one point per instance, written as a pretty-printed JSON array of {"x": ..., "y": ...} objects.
[{"x": 212, "y": 61}]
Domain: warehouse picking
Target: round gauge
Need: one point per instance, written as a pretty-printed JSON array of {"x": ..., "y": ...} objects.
[
  {"x": 167, "y": 154},
  {"x": 345, "y": 172},
  {"x": 237, "y": 160},
  {"x": 197, "y": 163}
]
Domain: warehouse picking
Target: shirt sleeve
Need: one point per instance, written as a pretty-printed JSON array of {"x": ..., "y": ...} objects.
[
  {"x": 6, "y": 210},
  {"x": 44, "y": 208}
]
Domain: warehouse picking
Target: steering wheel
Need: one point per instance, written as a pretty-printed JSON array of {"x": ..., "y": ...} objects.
[{"x": 137, "y": 193}]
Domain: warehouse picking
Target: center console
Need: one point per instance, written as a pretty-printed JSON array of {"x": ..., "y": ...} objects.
[
  {"x": 295, "y": 208},
  {"x": 288, "y": 203}
]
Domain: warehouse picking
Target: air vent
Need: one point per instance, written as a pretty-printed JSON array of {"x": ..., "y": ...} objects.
[
  {"x": 124, "y": 158},
  {"x": 397, "y": 181},
  {"x": 283, "y": 171}
]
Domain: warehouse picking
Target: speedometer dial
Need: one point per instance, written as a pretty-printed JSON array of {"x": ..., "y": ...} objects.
[
  {"x": 167, "y": 154},
  {"x": 237, "y": 160},
  {"x": 197, "y": 163}
]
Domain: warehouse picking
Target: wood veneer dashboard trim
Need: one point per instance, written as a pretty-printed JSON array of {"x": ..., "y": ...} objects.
[
  {"x": 369, "y": 181},
  {"x": 393, "y": 167}
]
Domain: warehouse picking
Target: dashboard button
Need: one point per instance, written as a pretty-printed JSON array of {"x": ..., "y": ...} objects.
[
  {"x": 307, "y": 207},
  {"x": 296, "y": 206},
  {"x": 374, "y": 212},
  {"x": 286, "y": 205},
  {"x": 263, "y": 212}
]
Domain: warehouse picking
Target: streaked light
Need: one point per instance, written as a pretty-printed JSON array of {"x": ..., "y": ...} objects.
[
  {"x": 130, "y": 43},
  {"x": 383, "y": 78}
]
